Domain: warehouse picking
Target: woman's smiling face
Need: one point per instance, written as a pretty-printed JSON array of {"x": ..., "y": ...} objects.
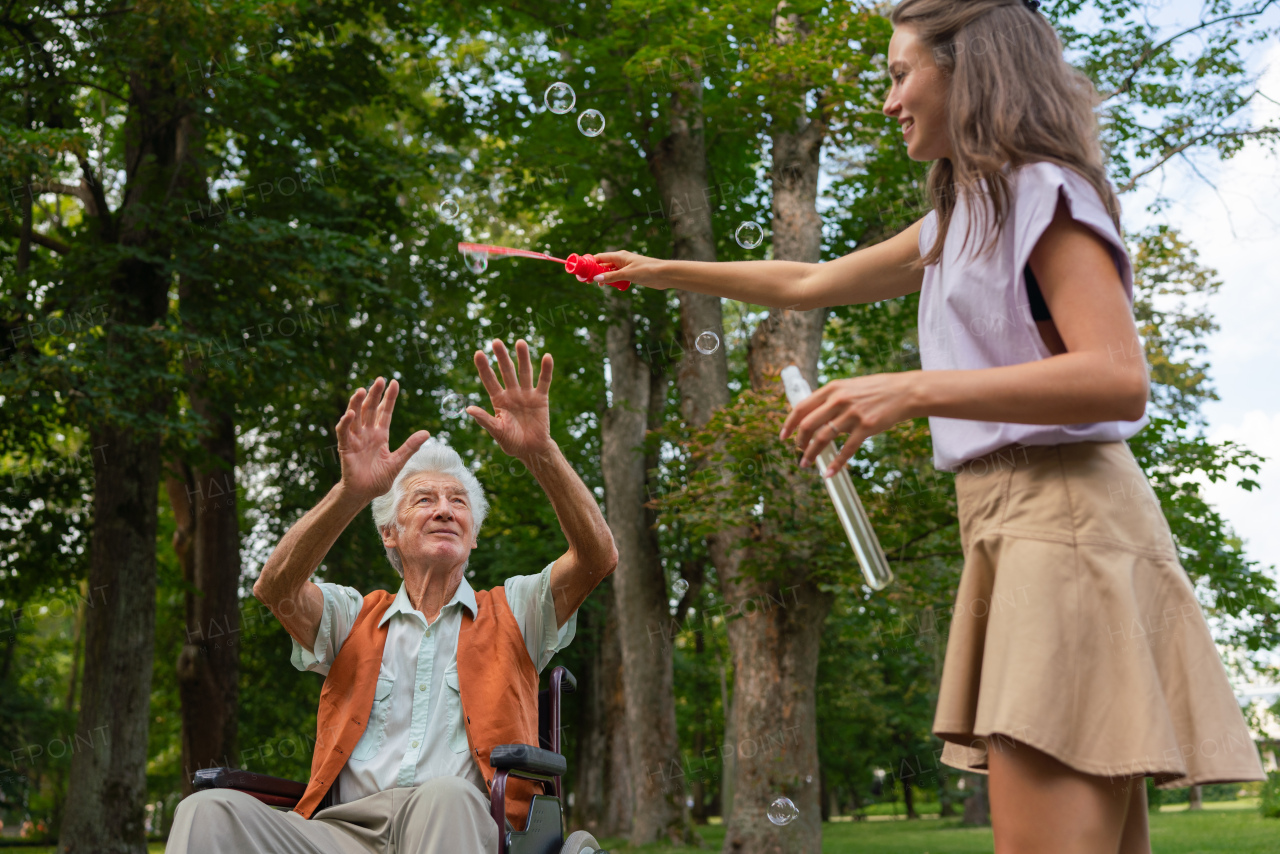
[{"x": 918, "y": 97}]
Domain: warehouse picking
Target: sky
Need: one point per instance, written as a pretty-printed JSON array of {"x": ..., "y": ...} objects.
[{"x": 1235, "y": 225}]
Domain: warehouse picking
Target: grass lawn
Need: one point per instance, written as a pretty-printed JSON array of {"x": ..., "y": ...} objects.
[
  {"x": 1212, "y": 831},
  {"x": 1221, "y": 828}
]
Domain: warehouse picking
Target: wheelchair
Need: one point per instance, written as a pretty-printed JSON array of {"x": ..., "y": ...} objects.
[{"x": 544, "y": 828}]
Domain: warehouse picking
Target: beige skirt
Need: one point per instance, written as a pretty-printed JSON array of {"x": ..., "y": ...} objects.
[{"x": 1077, "y": 631}]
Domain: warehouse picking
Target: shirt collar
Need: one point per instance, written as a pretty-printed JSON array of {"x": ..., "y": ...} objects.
[{"x": 464, "y": 595}]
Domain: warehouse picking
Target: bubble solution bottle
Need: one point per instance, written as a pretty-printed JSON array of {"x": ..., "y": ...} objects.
[{"x": 862, "y": 537}]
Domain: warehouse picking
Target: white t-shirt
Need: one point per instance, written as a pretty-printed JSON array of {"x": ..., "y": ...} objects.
[{"x": 974, "y": 311}]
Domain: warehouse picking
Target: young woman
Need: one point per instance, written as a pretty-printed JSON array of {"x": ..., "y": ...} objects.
[{"x": 1078, "y": 661}]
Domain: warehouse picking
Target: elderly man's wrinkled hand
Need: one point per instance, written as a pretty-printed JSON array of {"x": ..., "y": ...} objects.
[
  {"x": 368, "y": 465},
  {"x": 521, "y": 420}
]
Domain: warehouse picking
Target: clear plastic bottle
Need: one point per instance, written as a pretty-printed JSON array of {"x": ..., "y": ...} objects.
[{"x": 862, "y": 537}]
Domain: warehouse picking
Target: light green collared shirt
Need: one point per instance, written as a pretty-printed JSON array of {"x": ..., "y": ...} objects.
[{"x": 415, "y": 730}]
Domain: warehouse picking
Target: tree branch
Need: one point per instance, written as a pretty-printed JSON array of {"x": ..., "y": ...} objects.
[
  {"x": 66, "y": 16},
  {"x": 927, "y": 533},
  {"x": 1170, "y": 153},
  {"x": 1152, "y": 51},
  {"x": 81, "y": 192},
  {"x": 50, "y": 243},
  {"x": 90, "y": 181}
]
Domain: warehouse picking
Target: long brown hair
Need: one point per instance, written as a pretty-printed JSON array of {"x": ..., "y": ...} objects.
[{"x": 1011, "y": 99}]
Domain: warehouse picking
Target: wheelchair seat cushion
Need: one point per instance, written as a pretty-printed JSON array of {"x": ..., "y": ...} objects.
[{"x": 526, "y": 757}]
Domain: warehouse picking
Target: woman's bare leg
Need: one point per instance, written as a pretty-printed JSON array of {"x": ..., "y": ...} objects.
[
  {"x": 1040, "y": 806},
  {"x": 1136, "y": 839}
]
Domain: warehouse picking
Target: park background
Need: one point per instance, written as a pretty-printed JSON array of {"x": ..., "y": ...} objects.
[{"x": 221, "y": 218}]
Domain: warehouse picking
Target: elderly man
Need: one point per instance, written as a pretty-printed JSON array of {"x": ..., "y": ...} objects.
[{"x": 419, "y": 686}]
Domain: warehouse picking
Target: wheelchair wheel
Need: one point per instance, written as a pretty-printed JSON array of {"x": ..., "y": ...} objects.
[{"x": 580, "y": 842}]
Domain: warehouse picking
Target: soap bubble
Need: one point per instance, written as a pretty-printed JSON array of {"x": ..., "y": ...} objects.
[
  {"x": 782, "y": 811},
  {"x": 591, "y": 122},
  {"x": 749, "y": 235},
  {"x": 448, "y": 208},
  {"x": 453, "y": 404},
  {"x": 707, "y": 342},
  {"x": 679, "y": 587},
  {"x": 477, "y": 262},
  {"x": 559, "y": 98}
]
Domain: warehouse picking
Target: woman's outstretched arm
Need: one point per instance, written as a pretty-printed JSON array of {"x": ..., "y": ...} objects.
[{"x": 888, "y": 269}]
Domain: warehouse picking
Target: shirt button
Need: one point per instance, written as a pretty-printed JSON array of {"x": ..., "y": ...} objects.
[
  {"x": 415, "y": 744},
  {"x": 422, "y": 686}
]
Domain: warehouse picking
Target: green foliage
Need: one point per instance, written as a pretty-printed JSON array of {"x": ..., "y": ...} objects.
[
  {"x": 1163, "y": 92},
  {"x": 1171, "y": 293},
  {"x": 1270, "y": 805}
]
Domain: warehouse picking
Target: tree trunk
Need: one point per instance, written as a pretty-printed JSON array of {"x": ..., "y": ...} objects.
[
  {"x": 728, "y": 763},
  {"x": 946, "y": 806},
  {"x": 208, "y": 667},
  {"x": 977, "y": 810},
  {"x": 909, "y": 798},
  {"x": 77, "y": 646},
  {"x": 204, "y": 503},
  {"x": 106, "y": 798},
  {"x": 105, "y": 803},
  {"x": 602, "y": 803},
  {"x": 641, "y": 593},
  {"x": 1194, "y": 798},
  {"x": 775, "y": 651},
  {"x": 679, "y": 168}
]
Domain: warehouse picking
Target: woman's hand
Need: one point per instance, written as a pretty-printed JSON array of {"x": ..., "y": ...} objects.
[
  {"x": 861, "y": 407},
  {"x": 630, "y": 267}
]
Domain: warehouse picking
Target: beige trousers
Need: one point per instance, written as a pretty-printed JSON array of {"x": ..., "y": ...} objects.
[{"x": 447, "y": 815}]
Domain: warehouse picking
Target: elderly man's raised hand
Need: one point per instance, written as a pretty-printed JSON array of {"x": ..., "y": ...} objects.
[
  {"x": 521, "y": 420},
  {"x": 368, "y": 465}
]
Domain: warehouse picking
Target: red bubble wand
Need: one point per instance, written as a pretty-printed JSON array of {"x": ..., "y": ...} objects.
[{"x": 584, "y": 267}]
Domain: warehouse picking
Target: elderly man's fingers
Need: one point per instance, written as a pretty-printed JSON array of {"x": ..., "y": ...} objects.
[
  {"x": 408, "y": 449},
  {"x": 369, "y": 411},
  {"x": 525, "y": 364},
  {"x": 487, "y": 377},
  {"x": 484, "y": 419},
  {"x": 343, "y": 430},
  {"x": 544, "y": 373},
  {"x": 353, "y": 405},
  {"x": 505, "y": 364},
  {"x": 388, "y": 404}
]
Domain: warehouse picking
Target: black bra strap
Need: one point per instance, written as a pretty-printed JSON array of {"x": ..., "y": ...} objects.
[{"x": 1039, "y": 308}]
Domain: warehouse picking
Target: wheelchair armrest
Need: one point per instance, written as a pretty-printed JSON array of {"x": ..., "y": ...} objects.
[
  {"x": 247, "y": 781},
  {"x": 527, "y": 758},
  {"x": 568, "y": 683}
]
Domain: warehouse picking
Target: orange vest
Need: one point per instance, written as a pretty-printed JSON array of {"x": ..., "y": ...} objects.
[{"x": 497, "y": 681}]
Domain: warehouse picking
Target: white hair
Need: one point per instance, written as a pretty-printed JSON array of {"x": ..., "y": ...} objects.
[{"x": 433, "y": 456}]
